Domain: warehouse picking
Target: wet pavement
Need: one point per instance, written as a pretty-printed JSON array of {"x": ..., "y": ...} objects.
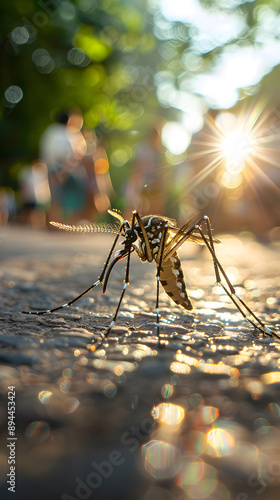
[{"x": 197, "y": 418}]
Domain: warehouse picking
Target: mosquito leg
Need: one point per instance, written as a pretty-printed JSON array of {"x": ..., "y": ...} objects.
[
  {"x": 174, "y": 244},
  {"x": 126, "y": 282},
  {"x": 100, "y": 280},
  {"x": 108, "y": 330},
  {"x": 161, "y": 251},
  {"x": 177, "y": 241},
  {"x": 145, "y": 236},
  {"x": 229, "y": 289},
  {"x": 206, "y": 221},
  {"x": 47, "y": 311},
  {"x": 150, "y": 257}
]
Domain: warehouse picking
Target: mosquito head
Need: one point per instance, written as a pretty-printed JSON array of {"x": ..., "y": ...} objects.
[{"x": 130, "y": 235}]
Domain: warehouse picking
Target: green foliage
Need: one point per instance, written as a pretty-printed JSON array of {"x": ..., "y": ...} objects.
[
  {"x": 98, "y": 49},
  {"x": 63, "y": 55}
]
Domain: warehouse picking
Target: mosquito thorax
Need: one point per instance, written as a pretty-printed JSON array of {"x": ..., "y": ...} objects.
[{"x": 154, "y": 226}]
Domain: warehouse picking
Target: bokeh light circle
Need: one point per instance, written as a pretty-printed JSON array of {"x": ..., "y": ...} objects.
[{"x": 13, "y": 94}]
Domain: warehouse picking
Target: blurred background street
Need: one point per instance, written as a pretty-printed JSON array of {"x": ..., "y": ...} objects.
[{"x": 164, "y": 107}]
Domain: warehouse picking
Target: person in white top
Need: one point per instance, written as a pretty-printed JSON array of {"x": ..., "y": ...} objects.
[{"x": 62, "y": 147}]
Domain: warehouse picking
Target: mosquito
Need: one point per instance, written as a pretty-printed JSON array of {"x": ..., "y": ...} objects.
[{"x": 156, "y": 238}]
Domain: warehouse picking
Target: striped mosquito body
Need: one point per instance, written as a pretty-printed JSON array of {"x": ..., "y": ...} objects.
[
  {"x": 173, "y": 281},
  {"x": 171, "y": 274},
  {"x": 157, "y": 239}
]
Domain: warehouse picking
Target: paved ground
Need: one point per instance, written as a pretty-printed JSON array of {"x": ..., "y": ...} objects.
[{"x": 197, "y": 418}]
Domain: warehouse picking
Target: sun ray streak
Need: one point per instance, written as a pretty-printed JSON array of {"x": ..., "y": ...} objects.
[
  {"x": 203, "y": 174},
  {"x": 233, "y": 143},
  {"x": 262, "y": 174}
]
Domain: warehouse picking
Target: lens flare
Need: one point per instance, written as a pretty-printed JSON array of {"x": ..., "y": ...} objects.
[
  {"x": 167, "y": 413},
  {"x": 167, "y": 391},
  {"x": 195, "y": 443},
  {"x": 161, "y": 460},
  {"x": 65, "y": 385},
  {"x": 221, "y": 443},
  {"x": 208, "y": 414},
  {"x": 178, "y": 367},
  {"x": 271, "y": 378},
  {"x": 38, "y": 431},
  {"x": 71, "y": 404},
  {"x": 191, "y": 472},
  {"x": 237, "y": 148},
  {"x": 44, "y": 396},
  {"x": 197, "y": 478}
]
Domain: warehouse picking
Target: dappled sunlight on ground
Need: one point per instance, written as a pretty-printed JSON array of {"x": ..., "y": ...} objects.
[{"x": 197, "y": 416}]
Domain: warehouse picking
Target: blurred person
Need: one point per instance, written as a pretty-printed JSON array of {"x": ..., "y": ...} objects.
[
  {"x": 99, "y": 185},
  {"x": 7, "y": 205},
  {"x": 34, "y": 194},
  {"x": 144, "y": 191},
  {"x": 78, "y": 169},
  {"x": 62, "y": 147}
]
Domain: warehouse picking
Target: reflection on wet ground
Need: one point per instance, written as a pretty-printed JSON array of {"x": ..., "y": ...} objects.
[{"x": 197, "y": 417}]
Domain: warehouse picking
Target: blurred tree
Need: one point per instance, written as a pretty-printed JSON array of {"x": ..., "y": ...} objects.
[
  {"x": 59, "y": 55},
  {"x": 125, "y": 63}
]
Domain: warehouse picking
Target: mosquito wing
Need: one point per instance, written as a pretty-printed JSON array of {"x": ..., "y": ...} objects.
[{"x": 194, "y": 237}]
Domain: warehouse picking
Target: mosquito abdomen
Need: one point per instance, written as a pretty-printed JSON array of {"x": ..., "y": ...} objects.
[{"x": 173, "y": 281}]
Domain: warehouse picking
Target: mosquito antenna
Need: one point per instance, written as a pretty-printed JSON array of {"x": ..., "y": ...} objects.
[
  {"x": 102, "y": 227},
  {"x": 96, "y": 227}
]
